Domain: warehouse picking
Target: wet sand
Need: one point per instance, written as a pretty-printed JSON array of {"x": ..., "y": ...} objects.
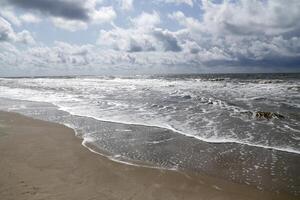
[{"x": 42, "y": 160}]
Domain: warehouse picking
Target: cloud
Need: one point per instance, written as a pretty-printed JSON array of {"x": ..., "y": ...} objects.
[
  {"x": 24, "y": 37},
  {"x": 60, "y": 54},
  {"x": 70, "y": 25},
  {"x": 126, "y": 4},
  {"x": 65, "y": 58},
  {"x": 129, "y": 40},
  {"x": 6, "y": 31},
  {"x": 8, "y": 13},
  {"x": 193, "y": 25},
  {"x": 74, "y": 10},
  {"x": 146, "y": 20},
  {"x": 251, "y": 17},
  {"x": 7, "y": 34},
  {"x": 168, "y": 39},
  {"x": 62, "y": 57},
  {"x": 142, "y": 36},
  {"x": 30, "y": 18},
  {"x": 70, "y": 15},
  {"x": 135, "y": 39},
  {"x": 245, "y": 18},
  {"x": 233, "y": 33},
  {"x": 242, "y": 32},
  {"x": 238, "y": 35},
  {"x": 188, "y": 2},
  {"x": 104, "y": 14}
]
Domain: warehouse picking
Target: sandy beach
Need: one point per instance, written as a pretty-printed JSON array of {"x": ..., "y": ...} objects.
[{"x": 42, "y": 160}]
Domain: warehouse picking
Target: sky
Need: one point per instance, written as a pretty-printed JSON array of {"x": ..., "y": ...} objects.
[{"x": 102, "y": 37}]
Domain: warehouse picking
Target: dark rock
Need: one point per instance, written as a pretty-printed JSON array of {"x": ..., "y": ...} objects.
[{"x": 268, "y": 115}]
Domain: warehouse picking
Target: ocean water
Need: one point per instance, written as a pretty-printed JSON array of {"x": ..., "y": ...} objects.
[
  {"x": 208, "y": 107},
  {"x": 176, "y": 121}
]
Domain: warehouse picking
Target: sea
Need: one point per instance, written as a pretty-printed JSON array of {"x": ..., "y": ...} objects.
[{"x": 196, "y": 123}]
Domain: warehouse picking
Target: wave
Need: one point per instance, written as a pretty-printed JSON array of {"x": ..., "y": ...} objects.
[
  {"x": 208, "y": 140},
  {"x": 87, "y": 141},
  {"x": 171, "y": 128},
  {"x": 187, "y": 108}
]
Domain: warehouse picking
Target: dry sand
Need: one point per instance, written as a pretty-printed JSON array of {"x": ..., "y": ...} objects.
[{"x": 42, "y": 160}]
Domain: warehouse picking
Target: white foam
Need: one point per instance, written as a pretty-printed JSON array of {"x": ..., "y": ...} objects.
[
  {"x": 72, "y": 100},
  {"x": 208, "y": 140},
  {"x": 118, "y": 159},
  {"x": 290, "y": 128}
]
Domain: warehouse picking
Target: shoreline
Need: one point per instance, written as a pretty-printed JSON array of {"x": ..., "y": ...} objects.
[
  {"x": 44, "y": 160},
  {"x": 284, "y": 150},
  {"x": 168, "y": 128}
]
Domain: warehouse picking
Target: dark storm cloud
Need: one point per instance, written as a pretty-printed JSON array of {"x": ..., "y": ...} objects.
[{"x": 59, "y": 8}]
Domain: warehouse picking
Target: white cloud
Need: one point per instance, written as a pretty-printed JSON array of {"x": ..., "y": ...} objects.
[
  {"x": 242, "y": 32},
  {"x": 146, "y": 20},
  {"x": 188, "y": 2},
  {"x": 69, "y": 25},
  {"x": 7, "y": 34},
  {"x": 244, "y": 17},
  {"x": 126, "y": 4},
  {"x": 6, "y": 31},
  {"x": 25, "y": 37},
  {"x": 8, "y": 13},
  {"x": 67, "y": 58},
  {"x": 104, "y": 15},
  {"x": 251, "y": 17},
  {"x": 30, "y": 18},
  {"x": 191, "y": 23},
  {"x": 130, "y": 40},
  {"x": 212, "y": 41},
  {"x": 143, "y": 35},
  {"x": 64, "y": 58}
]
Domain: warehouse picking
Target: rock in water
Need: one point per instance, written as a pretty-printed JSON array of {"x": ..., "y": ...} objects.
[{"x": 268, "y": 115}]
